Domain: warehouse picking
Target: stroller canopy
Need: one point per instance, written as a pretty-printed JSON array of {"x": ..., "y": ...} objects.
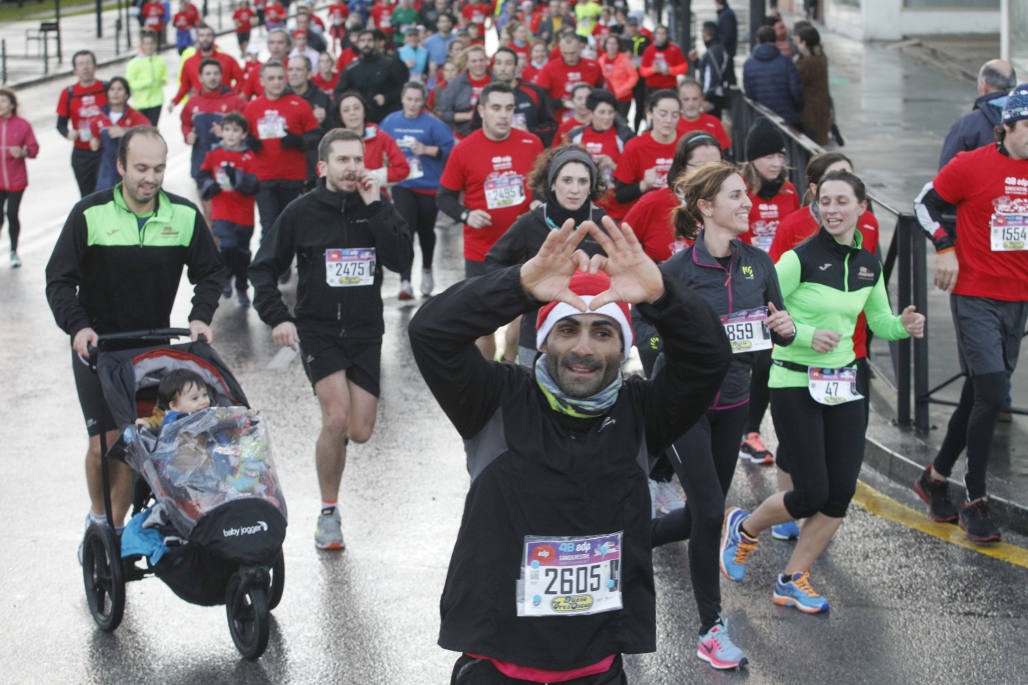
[{"x": 124, "y": 373}]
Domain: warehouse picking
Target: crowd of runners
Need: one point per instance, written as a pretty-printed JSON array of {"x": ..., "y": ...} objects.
[{"x": 603, "y": 209}]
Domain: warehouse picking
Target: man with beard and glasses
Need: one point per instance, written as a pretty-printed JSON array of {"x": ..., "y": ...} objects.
[
  {"x": 551, "y": 578},
  {"x": 342, "y": 234},
  {"x": 189, "y": 76},
  {"x": 99, "y": 280},
  {"x": 376, "y": 76}
]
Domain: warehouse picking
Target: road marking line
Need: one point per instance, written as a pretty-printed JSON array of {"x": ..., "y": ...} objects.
[{"x": 887, "y": 508}]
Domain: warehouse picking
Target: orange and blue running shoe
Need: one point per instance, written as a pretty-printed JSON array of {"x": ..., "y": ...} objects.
[
  {"x": 736, "y": 546},
  {"x": 796, "y": 592}
]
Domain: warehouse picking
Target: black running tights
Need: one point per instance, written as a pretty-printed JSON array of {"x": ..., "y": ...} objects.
[
  {"x": 419, "y": 211},
  {"x": 704, "y": 459},
  {"x": 972, "y": 425},
  {"x": 759, "y": 394},
  {"x": 12, "y": 198}
]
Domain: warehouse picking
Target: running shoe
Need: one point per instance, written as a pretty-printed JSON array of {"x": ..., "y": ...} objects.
[
  {"x": 977, "y": 522},
  {"x": 427, "y": 283},
  {"x": 785, "y": 531},
  {"x": 243, "y": 298},
  {"x": 717, "y": 649},
  {"x": 753, "y": 450},
  {"x": 329, "y": 533},
  {"x": 406, "y": 291},
  {"x": 665, "y": 498},
  {"x": 736, "y": 546},
  {"x": 15, "y": 260},
  {"x": 796, "y": 592},
  {"x": 935, "y": 494}
]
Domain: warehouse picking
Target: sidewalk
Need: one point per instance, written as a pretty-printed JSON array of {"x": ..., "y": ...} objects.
[{"x": 895, "y": 102}]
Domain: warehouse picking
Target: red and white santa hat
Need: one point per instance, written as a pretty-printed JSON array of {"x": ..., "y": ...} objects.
[{"x": 586, "y": 286}]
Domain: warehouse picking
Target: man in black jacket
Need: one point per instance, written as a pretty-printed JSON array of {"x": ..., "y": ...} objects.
[
  {"x": 342, "y": 233},
  {"x": 550, "y": 573},
  {"x": 977, "y": 128},
  {"x": 376, "y": 76},
  {"x": 116, "y": 267},
  {"x": 298, "y": 74}
]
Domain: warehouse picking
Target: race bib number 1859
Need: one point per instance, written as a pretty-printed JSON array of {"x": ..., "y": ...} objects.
[
  {"x": 747, "y": 330},
  {"x": 346, "y": 268},
  {"x": 569, "y": 576}
]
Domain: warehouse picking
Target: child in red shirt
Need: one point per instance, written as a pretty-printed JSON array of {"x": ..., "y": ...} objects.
[{"x": 228, "y": 179}]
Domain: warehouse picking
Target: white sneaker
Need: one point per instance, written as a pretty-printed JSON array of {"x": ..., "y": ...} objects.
[
  {"x": 329, "y": 532},
  {"x": 15, "y": 260},
  {"x": 665, "y": 498},
  {"x": 406, "y": 291},
  {"x": 427, "y": 284}
]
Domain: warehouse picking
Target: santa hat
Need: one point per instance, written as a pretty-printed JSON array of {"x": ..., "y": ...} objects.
[{"x": 586, "y": 286}]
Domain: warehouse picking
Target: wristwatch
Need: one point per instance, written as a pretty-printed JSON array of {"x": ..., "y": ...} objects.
[{"x": 464, "y": 216}]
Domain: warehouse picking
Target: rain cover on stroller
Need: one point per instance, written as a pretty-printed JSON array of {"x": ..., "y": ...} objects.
[{"x": 207, "y": 459}]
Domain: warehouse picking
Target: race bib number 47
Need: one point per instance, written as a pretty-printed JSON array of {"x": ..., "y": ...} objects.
[
  {"x": 569, "y": 576},
  {"x": 833, "y": 386},
  {"x": 350, "y": 267}
]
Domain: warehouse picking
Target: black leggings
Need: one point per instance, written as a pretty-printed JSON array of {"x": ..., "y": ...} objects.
[
  {"x": 704, "y": 459},
  {"x": 85, "y": 164},
  {"x": 13, "y": 200},
  {"x": 419, "y": 211},
  {"x": 475, "y": 671},
  {"x": 972, "y": 425},
  {"x": 825, "y": 448},
  {"x": 759, "y": 395},
  {"x": 272, "y": 197}
]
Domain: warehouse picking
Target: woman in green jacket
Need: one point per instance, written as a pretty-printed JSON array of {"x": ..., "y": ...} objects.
[
  {"x": 146, "y": 74},
  {"x": 826, "y": 281}
]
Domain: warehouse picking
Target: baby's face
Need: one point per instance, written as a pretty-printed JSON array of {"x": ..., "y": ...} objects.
[{"x": 190, "y": 399}]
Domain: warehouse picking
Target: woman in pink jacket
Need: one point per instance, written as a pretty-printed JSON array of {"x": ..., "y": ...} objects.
[
  {"x": 619, "y": 74},
  {"x": 16, "y": 143}
]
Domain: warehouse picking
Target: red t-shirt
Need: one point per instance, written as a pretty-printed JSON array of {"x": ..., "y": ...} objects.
[
  {"x": 642, "y": 153},
  {"x": 475, "y": 13},
  {"x": 327, "y": 86},
  {"x": 242, "y": 17},
  {"x": 80, "y": 107},
  {"x": 558, "y": 78},
  {"x": 493, "y": 176},
  {"x": 799, "y": 226},
  {"x": 670, "y": 56},
  {"x": 567, "y": 123},
  {"x": 605, "y": 143},
  {"x": 269, "y": 121},
  {"x": 275, "y": 13},
  {"x": 186, "y": 19},
  {"x": 345, "y": 57},
  {"x": 707, "y": 123},
  {"x": 189, "y": 76},
  {"x": 990, "y": 191},
  {"x": 153, "y": 16},
  {"x": 477, "y": 85},
  {"x": 382, "y": 16},
  {"x": 650, "y": 218},
  {"x": 765, "y": 216},
  {"x": 231, "y": 205},
  {"x": 525, "y": 50}
]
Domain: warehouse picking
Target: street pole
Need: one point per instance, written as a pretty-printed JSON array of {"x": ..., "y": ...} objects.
[
  {"x": 758, "y": 9},
  {"x": 1004, "y": 30},
  {"x": 99, "y": 19},
  {"x": 57, "y": 18}
]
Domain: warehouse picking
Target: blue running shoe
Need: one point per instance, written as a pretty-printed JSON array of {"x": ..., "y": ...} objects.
[
  {"x": 718, "y": 650},
  {"x": 736, "y": 546},
  {"x": 798, "y": 593},
  {"x": 785, "y": 531}
]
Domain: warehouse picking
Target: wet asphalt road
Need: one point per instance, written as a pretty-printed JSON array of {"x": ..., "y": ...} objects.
[{"x": 906, "y": 607}]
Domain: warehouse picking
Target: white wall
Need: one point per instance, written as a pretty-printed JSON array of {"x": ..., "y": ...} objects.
[{"x": 889, "y": 20}]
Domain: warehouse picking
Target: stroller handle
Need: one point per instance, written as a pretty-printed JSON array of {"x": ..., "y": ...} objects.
[{"x": 150, "y": 334}]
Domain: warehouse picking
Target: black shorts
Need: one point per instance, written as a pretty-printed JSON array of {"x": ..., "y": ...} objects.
[
  {"x": 324, "y": 352},
  {"x": 473, "y": 268},
  {"x": 95, "y": 411},
  {"x": 242, "y": 37}
]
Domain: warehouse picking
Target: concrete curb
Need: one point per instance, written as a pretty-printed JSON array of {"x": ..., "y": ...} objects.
[
  {"x": 934, "y": 57},
  {"x": 904, "y": 471}
]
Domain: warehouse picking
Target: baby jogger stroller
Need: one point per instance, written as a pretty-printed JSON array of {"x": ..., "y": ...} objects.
[{"x": 215, "y": 529}]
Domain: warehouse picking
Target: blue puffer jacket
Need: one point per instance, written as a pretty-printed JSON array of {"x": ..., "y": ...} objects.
[
  {"x": 770, "y": 78},
  {"x": 976, "y": 128}
]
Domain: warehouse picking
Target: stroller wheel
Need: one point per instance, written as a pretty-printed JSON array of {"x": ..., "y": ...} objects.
[
  {"x": 278, "y": 581},
  {"x": 246, "y": 605},
  {"x": 103, "y": 576}
]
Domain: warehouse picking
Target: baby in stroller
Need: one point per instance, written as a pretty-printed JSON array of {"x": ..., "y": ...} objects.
[{"x": 180, "y": 392}]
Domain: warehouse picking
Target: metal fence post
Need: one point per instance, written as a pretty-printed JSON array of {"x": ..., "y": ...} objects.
[
  {"x": 3, "y": 60},
  {"x": 904, "y": 264},
  {"x": 919, "y": 272}
]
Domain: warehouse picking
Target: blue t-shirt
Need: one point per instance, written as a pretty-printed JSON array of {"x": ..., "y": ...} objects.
[
  {"x": 437, "y": 47},
  {"x": 430, "y": 131}
]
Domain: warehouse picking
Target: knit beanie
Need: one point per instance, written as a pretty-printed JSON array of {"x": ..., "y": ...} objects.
[
  {"x": 764, "y": 139},
  {"x": 1016, "y": 106},
  {"x": 586, "y": 286}
]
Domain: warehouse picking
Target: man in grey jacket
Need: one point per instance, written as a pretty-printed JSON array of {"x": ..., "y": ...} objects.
[{"x": 457, "y": 105}]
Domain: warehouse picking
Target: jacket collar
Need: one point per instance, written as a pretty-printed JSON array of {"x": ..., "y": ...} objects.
[
  {"x": 161, "y": 208},
  {"x": 338, "y": 201},
  {"x": 837, "y": 248},
  {"x": 702, "y": 257}
]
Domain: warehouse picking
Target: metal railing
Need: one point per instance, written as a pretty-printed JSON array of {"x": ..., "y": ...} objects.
[{"x": 905, "y": 258}]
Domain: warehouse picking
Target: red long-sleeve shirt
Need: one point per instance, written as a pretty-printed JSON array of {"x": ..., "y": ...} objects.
[
  {"x": 669, "y": 55},
  {"x": 189, "y": 77}
]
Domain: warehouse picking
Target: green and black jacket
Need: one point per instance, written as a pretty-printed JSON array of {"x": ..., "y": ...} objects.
[
  {"x": 109, "y": 273},
  {"x": 826, "y": 285}
]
